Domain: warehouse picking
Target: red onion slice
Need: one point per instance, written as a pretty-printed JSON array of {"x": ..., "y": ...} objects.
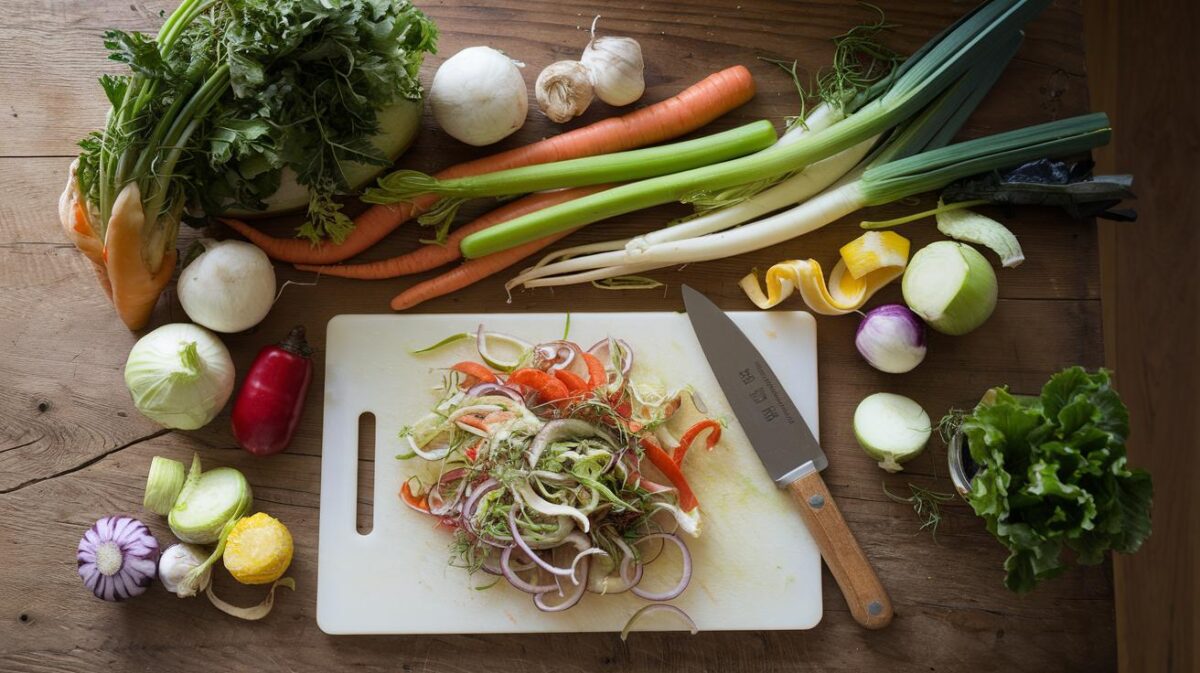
[
  {"x": 603, "y": 352},
  {"x": 444, "y": 506},
  {"x": 658, "y": 607},
  {"x": 685, "y": 575},
  {"x": 581, "y": 543},
  {"x": 571, "y": 599},
  {"x": 510, "y": 573},
  {"x": 481, "y": 389}
]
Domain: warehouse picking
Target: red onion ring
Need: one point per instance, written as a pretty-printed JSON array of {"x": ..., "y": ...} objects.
[
  {"x": 554, "y": 355},
  {"x": 581, "y": 543},
  {"x": 603, "y": 351},
  {"x": 685, "y": 576},
  {"x": 436, "y": 491},
  {"x": 472, "y": 503},
  {"x": 510, "y": 574},
  {"x": 481, "y": 389},
  {"x": 623, "y": 573}
]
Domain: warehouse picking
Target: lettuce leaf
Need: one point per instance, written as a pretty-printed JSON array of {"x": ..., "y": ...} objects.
[{"x": 1053, "y": 475}]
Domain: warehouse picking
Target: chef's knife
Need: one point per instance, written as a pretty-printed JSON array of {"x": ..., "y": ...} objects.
[{"x": 791, "y": 454}]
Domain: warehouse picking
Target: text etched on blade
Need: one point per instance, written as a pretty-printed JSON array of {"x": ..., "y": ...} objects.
[{"x": 761, "y": 390}]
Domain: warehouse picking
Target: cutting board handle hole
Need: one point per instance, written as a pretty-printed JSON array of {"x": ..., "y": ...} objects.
[{"x": 365, "y": 494}]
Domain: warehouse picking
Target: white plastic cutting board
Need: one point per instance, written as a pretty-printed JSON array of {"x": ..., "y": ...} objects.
[{"x": 755, "y": 564}]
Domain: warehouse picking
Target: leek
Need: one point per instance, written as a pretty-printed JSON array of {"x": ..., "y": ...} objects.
[
  {"x": 878, "y": 185},
  {"x": 918, "y": 82}
]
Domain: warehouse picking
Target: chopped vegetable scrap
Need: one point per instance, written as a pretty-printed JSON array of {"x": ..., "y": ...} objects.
[{"x": 539, "y": 468}]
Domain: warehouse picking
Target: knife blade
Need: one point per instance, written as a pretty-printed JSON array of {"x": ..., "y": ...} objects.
[
  {"x": 788, "y": 450},
  {"x": 777, "y": 431}
]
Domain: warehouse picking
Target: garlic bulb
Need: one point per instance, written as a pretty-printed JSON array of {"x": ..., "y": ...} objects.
[
  {"x": 616, "y": 67},
  {"x": 175, "y": 564},
  {"x": 564, "y": 90}
]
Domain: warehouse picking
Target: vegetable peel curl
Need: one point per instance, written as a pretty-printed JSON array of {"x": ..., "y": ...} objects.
[{"x": 867, "y": 264}]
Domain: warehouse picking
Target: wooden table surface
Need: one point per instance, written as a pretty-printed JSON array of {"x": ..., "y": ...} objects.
[{"x": 73, "y": 448}]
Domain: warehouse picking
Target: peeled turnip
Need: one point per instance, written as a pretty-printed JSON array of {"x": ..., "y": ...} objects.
[
  {"x": 230, "y": 287},
  {"x": 478, "y": 96},
  {"x": 951, "y": 286}
]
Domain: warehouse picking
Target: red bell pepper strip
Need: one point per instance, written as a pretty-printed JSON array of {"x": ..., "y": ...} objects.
[
  {"x": 474, "y": 370},
  {"x": 597, "y": 374},
  {"x": 549, "y": 389},
  {"x": 690, "y": 435},
  {"x": 419, "y": 503},
  {"x": 574, "y": 383},
  {"x": 660, "y": 459}
]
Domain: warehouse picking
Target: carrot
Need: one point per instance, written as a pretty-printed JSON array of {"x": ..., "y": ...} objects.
[
  {"x": 687, "y": 111},
  {"x": 434, "y": 255},
  {"x": 470, "y": 271},
  {"x": 135, "y": 288}
]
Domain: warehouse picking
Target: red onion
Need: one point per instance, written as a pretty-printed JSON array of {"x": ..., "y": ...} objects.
[
  {"x": 118, "y": 558},
  {"x": 554, "y": 355},
  {"x": 658, "y": 607},
  {"x": 510, "y": 574},
  {"x": 685, "y": 575},
  {"x": 444, "y": 506},
  {"x": 472, "y": 503},
  {"x": 891, "y": 338},
  {"x": 603, "y": 351},
  {"x": 481, "y": 389},
  {"x": 524, "y": 546},
  {"x": 580, "y": 587}
]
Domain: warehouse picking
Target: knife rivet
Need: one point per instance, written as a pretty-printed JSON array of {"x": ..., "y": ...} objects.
[
  {"x": 874, "y": 608},
  {"x": 817, "y": 501}
]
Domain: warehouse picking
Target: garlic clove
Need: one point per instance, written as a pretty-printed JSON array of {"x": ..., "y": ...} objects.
[
  {"x": 564, "y": 90},
  {"x": 616, "y": 66}
]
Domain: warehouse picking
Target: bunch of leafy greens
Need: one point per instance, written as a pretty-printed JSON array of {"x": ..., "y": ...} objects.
[
  {"x": 1052, "y": 473},
  {"x": 231, "y": 92}
]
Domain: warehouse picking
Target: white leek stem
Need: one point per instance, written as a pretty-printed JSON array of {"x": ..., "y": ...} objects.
[{"x": 827, "y": 207}]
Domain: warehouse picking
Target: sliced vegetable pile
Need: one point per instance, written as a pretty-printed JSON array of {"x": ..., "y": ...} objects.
[
  {"x": 539, "y": 466},
  {"x": 1052, "y": 473}
]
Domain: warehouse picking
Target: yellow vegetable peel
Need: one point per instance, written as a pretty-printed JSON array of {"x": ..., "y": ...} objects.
[{"x": 867, "y": 263}]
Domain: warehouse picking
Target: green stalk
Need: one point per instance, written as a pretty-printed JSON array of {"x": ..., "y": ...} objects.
[
  {"x": 937, "y": 168},
  {"x": 959, "y": 50},
  {"x": 595, "y": 170}
]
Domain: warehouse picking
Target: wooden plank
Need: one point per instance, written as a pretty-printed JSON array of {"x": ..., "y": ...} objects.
[
  {"x": 85, "y": 453},
  {"x": 681, "y": 45},
  {"x": 1152, "y": 318}
]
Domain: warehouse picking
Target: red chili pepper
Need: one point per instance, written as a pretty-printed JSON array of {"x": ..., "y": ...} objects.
[
  {"x": 271, "y": 400},
  {"x": 417, "y": 502},
  {"x": 549, "y": 389},
  {"x": 574, "y": 383},
  {"x": 660, "y": 459},
  {"x": 597, "y": 375},
  {"x": 690, "y": 435},
  {"x": 475, "y": 371}
]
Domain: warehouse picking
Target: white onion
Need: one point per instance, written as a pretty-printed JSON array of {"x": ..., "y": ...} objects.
[{"x": 229, "y": 288}]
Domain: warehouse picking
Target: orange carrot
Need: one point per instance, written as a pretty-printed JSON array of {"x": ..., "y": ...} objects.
[
  {"x": 687, "y": 111},
  {"x": 135, "y": 288},
  {"x": 434, "y": 255},
  {"x": 470, "y": 271}
]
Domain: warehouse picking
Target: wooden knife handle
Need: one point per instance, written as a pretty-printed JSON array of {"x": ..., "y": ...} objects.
[{"x": 868, "y": 600}]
